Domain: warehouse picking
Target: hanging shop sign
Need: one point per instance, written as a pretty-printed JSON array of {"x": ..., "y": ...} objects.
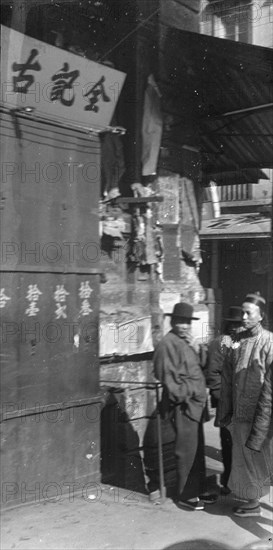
[{"x": 57, "y": 84}]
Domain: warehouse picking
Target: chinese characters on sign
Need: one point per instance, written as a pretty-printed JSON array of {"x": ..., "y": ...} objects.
[
  {"x": 59, "y": 296},
  {"x": 33, "y": 295},
  {"x": 3, "y": 298},
  {"x": 84, "y": 294},
  {"x": 97, "y": 91},
  {"x": 63, "y": 84},
  {"x": 57, "y": 83},
  {"x": 22, "y": 77},
  {"x": 63, "y": 81}
]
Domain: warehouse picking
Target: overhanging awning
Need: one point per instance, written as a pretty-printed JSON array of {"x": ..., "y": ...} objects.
[
  {"x": 236, "y": 226},
  {"x": 218, "y": 97}
]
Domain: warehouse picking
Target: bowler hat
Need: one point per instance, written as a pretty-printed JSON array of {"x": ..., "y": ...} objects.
[
  {"x": 183, "y": 310},
  {"x": 234, "y": 314}
]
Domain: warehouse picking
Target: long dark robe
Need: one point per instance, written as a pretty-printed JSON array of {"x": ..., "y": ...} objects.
[{"x": 176, "y": 365}]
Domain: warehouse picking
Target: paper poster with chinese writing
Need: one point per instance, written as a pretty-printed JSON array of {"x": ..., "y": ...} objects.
[
  {"x": 169, "y": 209},
  {"x": 128, "y": 338},
  {"x": 57, "y": 84}
]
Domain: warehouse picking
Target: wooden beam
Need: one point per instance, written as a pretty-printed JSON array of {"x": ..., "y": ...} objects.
[{"x": 139, "y": 200}]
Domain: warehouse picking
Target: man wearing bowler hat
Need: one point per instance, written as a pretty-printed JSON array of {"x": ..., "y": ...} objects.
[
  {"x": 217, "y": 351},
  {"x": 177, "y": 366}
]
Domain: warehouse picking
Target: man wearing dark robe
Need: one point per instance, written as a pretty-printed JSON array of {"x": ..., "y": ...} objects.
[{"x": 177, "y": 366}]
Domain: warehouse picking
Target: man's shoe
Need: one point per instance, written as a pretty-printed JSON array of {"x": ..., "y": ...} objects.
[
  {"x": 192, "y": 504},
  {"x": 242, "y": 512},
  {"x": 224, "y": 490},
  {"x": 209, "y": 499}
]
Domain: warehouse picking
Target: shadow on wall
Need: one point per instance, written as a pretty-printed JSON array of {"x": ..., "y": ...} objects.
[
  {"x": 151, "y": 459},
  {"x": 129, "y": 444},
  {"x": 129, "y": 447},
  {"x": 121, "y": 460}
]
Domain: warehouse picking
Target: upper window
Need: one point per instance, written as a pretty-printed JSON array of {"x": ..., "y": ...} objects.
[
  {"x": 263, "y": 24},
  {"x": 228, "y": 19}
]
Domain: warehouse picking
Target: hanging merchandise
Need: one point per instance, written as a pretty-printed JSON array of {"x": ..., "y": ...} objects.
[
  {"x": 150, "y": 244},
  {"x": 146, "y": 242},
  {"x": 112, "y": 162},
  {"x": 159, "y": 250},
  {"x": 190, "y": 223},
  {"x": 137, "y": 253},
  {"x": 152, "y": 125}
]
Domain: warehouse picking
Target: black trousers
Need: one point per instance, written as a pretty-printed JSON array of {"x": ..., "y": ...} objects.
[
  {"x": 190, "y": 455},
  {"x": 226, "y": 445}
]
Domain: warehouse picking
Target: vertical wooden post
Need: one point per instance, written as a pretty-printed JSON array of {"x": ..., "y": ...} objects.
[
  {"x": 215, "y": 248},
  {"x": 160, "y": 450},
  {"x": 20, "y": 10}
]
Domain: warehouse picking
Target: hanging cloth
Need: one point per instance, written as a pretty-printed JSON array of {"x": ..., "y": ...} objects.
[
  {"x": 152, "y": 125},
  {"x": 112, "y": 162}
]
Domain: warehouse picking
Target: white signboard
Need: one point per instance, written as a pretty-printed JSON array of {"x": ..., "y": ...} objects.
[
  {"x": 55, "y": 83},
  {"x": 128, "y": 338},
  {"x": 201, "y": 329}
]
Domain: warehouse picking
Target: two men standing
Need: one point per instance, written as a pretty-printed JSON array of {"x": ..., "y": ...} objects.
[{"x": 244, "y": 405}]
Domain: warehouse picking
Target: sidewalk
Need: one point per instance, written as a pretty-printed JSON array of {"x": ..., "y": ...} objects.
[{"x": 117, "y": 519}]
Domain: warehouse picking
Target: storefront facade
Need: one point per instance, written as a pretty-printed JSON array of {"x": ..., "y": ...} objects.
[{"x": 51, "y": 115}]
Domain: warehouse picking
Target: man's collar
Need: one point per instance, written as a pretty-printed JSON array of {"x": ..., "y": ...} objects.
[{"x": 250, "y": 332}]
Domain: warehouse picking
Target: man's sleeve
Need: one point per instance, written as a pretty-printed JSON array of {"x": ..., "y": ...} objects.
[
  {"x": 262, "y": 424},
  {"x": 169, "y": 370},
  {"x": 224, "y": 410},
  {"x": 214, "y": 367}
]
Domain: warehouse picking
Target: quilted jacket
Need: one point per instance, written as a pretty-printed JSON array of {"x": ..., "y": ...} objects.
[
  {"x": 243, "y": 376},
  {"x": 262, "y": 427}
]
